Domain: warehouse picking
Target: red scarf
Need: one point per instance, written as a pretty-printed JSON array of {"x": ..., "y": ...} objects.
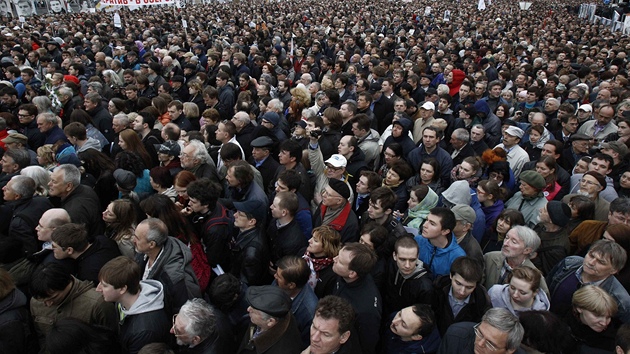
[{"x": 340, "y": 221}]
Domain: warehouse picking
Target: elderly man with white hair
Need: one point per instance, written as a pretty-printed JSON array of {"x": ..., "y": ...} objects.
[
  {"x": 202, "y": 329},
  {"x": 195, "y": 158},
  {"x": 518, "y": 248}
]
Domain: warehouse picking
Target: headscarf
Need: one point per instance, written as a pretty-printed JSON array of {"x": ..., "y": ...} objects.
[{"x": 420, "y": 212}]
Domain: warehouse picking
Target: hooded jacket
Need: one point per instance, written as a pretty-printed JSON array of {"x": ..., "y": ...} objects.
[
  {"x": 146, "y": 321},
  {"x": 500, "y": 297},
  {"x": 90, "y": 143},
  {"x": 439, "y": 260},
  {"x": 173, "y": 269},
  {"x": 458, "y": 78},
  {"x": 402, "y": 291},
  {"x": 371, "y": 148},
  {"x": 404, "y": 140},
  {"x": 491, "y": 123}
]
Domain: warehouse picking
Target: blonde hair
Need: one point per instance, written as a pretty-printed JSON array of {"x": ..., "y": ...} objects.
[
  {"x": 594, "y": 299},
  {"x": 330, "y": 239}
]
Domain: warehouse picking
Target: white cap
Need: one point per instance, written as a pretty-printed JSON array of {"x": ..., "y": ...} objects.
[
  {"x": 429, "y": 106},
  {"x": 337, "y": 161},
  {"x": 586, "y": 108}
]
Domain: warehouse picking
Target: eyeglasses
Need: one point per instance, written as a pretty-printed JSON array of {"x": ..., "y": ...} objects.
[
  {"x": 331, "y": 167},
  {"x": 175, "y": 328},
  {"x": 590, "y": 183},
  {"x": 487, "y": 344}
]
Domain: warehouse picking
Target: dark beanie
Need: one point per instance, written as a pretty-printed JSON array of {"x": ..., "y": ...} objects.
[
  {"x": 340, "y": 187},
  {"x": 598, "y": 176},
  {"x": 559, "y": 213}
]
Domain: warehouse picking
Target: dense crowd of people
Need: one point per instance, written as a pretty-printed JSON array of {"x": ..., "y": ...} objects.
[{"x": 274, "y": 177}]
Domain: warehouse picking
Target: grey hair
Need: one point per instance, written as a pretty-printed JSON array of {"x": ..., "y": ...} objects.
[
  {"x": 123, "y": 119},
  {"x": 40, "y": 176},
  {"x": 530, "y": 237},
  {"x": 96, "y": 86},
  {"x": 116, "y": 81},
  {"x": 24, "y": 186},
  {"x": 276, "y": 105},
  {"x": 319, "y": 95},
  {"x": 93, "y": 97},
  {"x": 462, "y": 134},
  {"x": 157, "y": 231},
  {"x": 3, "y": 124},
  {"x": 308, "y": 114},
  {"x": 49, "y": 117},
  {"x": 503, "y": 320},
  {"x": 65, "y": 91},
  {"x": 71, "y": 174},
  {"x": 200, "y": 152},
  {"x": 201, "y": 318},
  {"x": 442, "y": 89},
  {"x": 242, "y": 117},
  {"x": 479, "y": 126},
  {"x": 42, "y": 103}
]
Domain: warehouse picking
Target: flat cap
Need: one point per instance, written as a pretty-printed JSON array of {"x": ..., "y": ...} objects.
[
  {"x": 262, "y": 141},
  {"x": 269, "y": 299}
]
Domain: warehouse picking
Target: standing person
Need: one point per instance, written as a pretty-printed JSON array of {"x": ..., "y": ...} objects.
[
  {"x": 355, "y": 284},
  {"x": 57, "y": 294},
  {"x": 273, "y": 328},
  {"x": 140, "y": 302},
  {"x": 521, "y": 293},
  {"x": 438, "y": 246},
  {"x": 331, "y": 329},
  {"x": 498, "y": 331}
]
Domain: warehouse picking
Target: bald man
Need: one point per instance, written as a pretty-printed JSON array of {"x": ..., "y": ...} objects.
[{"x": 50, "y": 220}]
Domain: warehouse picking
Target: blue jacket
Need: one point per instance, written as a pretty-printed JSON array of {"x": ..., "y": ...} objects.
[
  {"x": 439, "y": 260},
  {"x": 479, "y": 227},
  {"x": 417, "y": 155},
  {"x": 570, "y": 265},
  {"x": 303, "y": 309}
]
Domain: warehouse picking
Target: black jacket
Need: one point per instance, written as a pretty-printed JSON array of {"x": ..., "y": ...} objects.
[
  {"x": 214, "y": 230},
  {"x": 401, "y": 292},
  {"x": 25, "y": 214},
  {"x": 250, "y": 257},
  {"x": 102, "y": 121},
  {"x": 365, "y": 298},
  {"x": 267, "y": 170},
  {"x": 89, "y": 263},
  {"x": 283, "y": 338},
  {"x": 16, "y": 335},
  {"x": 478, "y": 305},
  {"x": 245, "y": 137},
  {"x": 467, "y": 150},
  {"x": 84, "y": 208},
  {"x": 285, "y": 241},
  {"x": 35, "y": 137},
  {"x": 356, "y": 164}
]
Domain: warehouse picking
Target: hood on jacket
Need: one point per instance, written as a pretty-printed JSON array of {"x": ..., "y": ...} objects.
[
  {"x": 406, "y": 124},
  {"x": 458, "y": 78},
  {"x": 482, "y": 107},
  {"x": 14, "y": 300},
  {"x": 458, "y": 193},
  {"x": 151, "y": 298},
  {"x": 91, "y": 143},
  {"x": 373, "y": 136}
]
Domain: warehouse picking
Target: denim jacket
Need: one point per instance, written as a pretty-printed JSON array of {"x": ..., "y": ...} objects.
[{"x": 569, "y": 266}]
